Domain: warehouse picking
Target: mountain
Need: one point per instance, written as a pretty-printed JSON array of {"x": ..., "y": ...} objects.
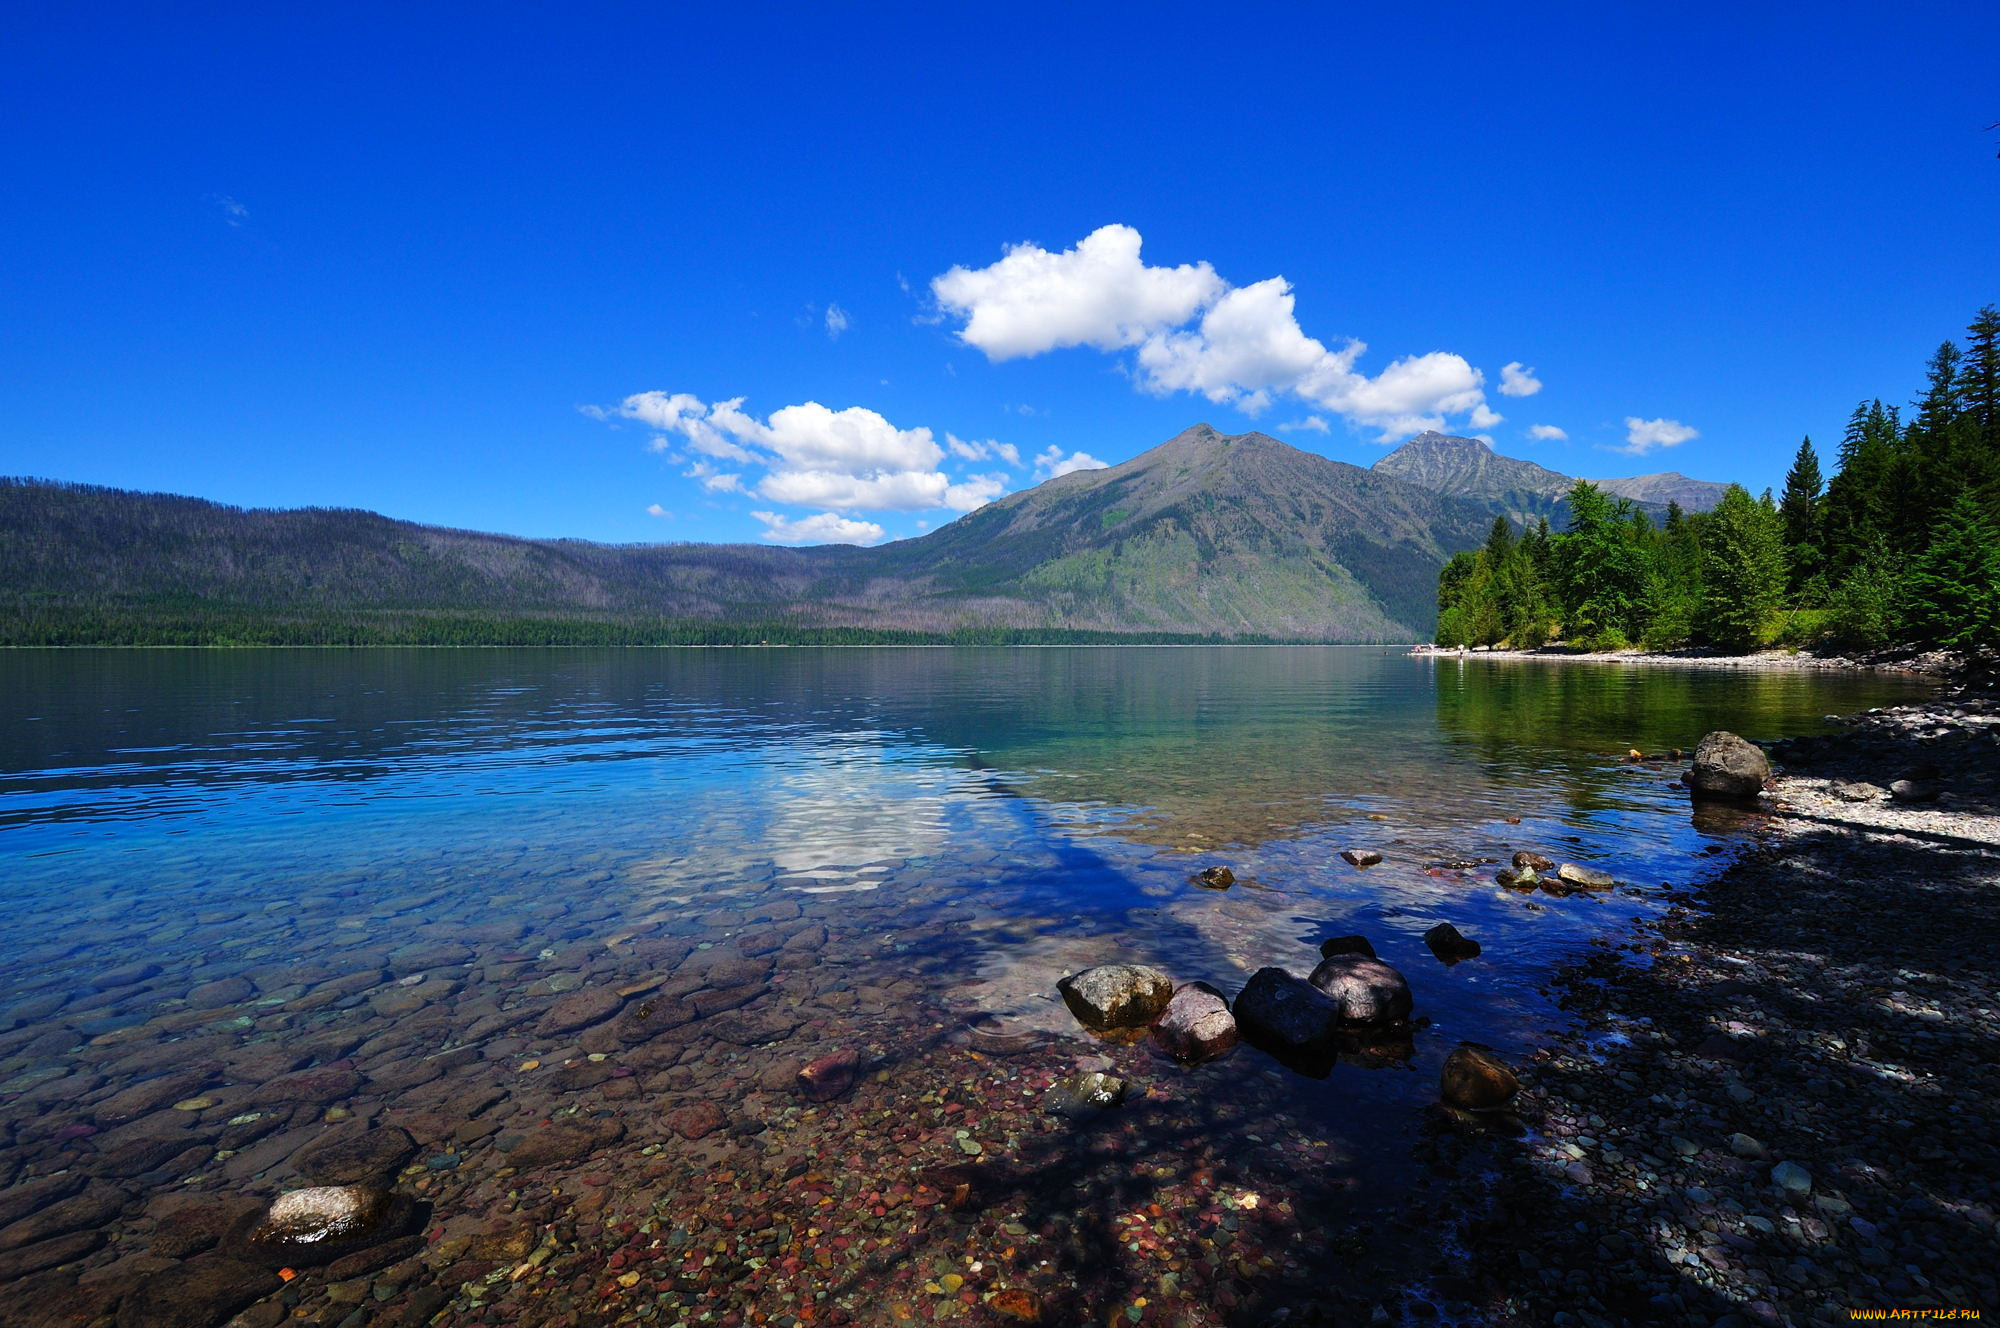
[
  {"x": 1469, "y": 469},
  {"x": 1205, "y": 534},
  {"x": 1669, "y": 486}
]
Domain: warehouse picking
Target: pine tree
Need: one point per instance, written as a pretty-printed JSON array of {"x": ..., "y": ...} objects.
[
  {"x": 1979, "y": 376},
  {"x": 1953, "y": 590},
  {"x": 1742, "y": 570},
  {"x": 1800, "y": 510},
  {"x": 1599, "y": 569}
]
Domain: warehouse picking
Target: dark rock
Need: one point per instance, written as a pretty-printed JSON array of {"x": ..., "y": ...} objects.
[
  {"x": 1527, "y": 858},
  {"x": 326, "y": 1222},
  {"x": 95, "y": 1207},
  {"x": 1913, "y": 790},
  {"x": 831, "y": 1076},
  {"x": 1856, "y": 791},
  {"x": 17, "y": 1201},
  {"x": 1084, "y": 1095},
  {"x": 707, "y": 1003},
  {"x": 1365, "y": 991},
  {"x": 1342, "y": 945},
  {"x": 18, "y": 1263},
  {"x": 200, "y": 1293},
  {"x": 1727, "y": 769},
  {"x": 1290, "y": 1018},
  {"x": 1196, "y": 1025},
  {"x": 1474, "y": 1079},
  {"x": 362, "y": 1262},
  {"x": 320, "y": 1087},
  {"x": 1360, "y": 857},
  {"x": 1448, "y": 944},
  {"x": 564, "y": 1142},
  {"x": 223, "y": 991},
  {"x": 112, "y": 978},
  {"x": 579, "y": 1075},
  {"x": 1116, "y": 995},
  {"x": 1214, "y": 878},
  {"x": 355, "y": 1157}
]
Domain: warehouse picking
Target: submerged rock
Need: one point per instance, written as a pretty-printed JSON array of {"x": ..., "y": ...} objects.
[
  {"x": 1474, "y": 1079},
  {"x": 1525, "y": 858},
  {"x": 1364, "y": 990},
  {"x": 1196, "y": 1025},
  {"x": 1083, "y": 1095},
  {"x": 1215, "y": 878},
  {"x": 1727, "y": 769},
  {"x": 1116, "y": 995},
  {"x": 356, "y": 1157},
  {"x": 1346, "y": 945},
  {"x": 830, "y": 1076},
  {"x": 1360, "y": 857},
  {"x": 1448, "y": 944},
  {"x": 324, "y": 1222}
]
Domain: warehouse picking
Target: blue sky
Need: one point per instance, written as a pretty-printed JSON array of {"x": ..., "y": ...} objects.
[{"x": 631, "y": 273}]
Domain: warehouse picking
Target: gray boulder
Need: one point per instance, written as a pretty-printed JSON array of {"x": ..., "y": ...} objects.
[
  {"x": 1290, "y": 1018},
  {"x": 1196, "y": 1025},
  {"x": 1116, "y": 995},
  {"x": 1727, "y": 769},
  {"x": 1364, "y": 989}
]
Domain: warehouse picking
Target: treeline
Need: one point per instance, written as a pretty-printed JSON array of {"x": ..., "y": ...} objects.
[
  {"x": 145, "y": 626},
  {"x": 1901, "y": 546}
]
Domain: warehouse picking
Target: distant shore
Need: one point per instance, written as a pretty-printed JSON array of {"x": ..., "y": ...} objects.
[
  {"x": 1935, "y": 662},
  {"x": 1779, "y": 1102}
]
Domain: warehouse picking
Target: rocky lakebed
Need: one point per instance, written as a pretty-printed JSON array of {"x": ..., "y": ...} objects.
[{"x": 1774, "y": 1102}]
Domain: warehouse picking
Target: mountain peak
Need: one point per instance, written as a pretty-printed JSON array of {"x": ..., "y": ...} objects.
[{"x": 1432, "y": 440}]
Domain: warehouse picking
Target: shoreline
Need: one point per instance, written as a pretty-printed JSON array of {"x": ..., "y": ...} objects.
[
  {"x": 1779, "y": 1101},
  {"x": 1937, "y": 663}
]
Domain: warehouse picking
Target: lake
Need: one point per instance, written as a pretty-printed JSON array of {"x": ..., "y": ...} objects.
[{"x": 574, "y": 920}]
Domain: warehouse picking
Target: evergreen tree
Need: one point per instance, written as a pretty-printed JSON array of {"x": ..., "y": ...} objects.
[
  {"x": 1979, "y": 377},
  {"x": 1953, "y": 590},
  {"x": 1599, "y": 570},
  {"x": 1800, "y": 510},
  {"x": 1742, "y": 570}
]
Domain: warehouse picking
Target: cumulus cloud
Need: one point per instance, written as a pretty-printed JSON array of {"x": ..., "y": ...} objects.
[
  {"x": 1310, "y": 424},
  {"x": 1643, "y": 436},
  {"x": 1484, "y": 417},
  {"x": 1052, "y": 462},
  {"x": 825, "y": 528},
  {"x": 812, "y": 456},
  {"x": 1518, "y": 380},
  {"x": 1547, "y": 433},
  {"x": 1191, "y": 331},
  {"x": 837, "y": 322},
  {"x": 654, "y": 509},
  {"x": 1098, "y": 294}
]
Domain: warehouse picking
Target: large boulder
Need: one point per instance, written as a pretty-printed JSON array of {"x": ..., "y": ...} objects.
[
  {"x": 1727, "y": 769},
  {"x": 1116, "y": 995},
  {"x": 1196, "y": 1025},
  {"x": 1474, "y": 1079},
  {"x": 1289, "y": 1017},
  {"x": 1450, "y": 944},
  {"x": 322, "y": 1223},
  {"x": 1365, "y": 990}
]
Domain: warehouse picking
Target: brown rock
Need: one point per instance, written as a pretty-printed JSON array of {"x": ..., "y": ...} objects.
[
  {"x": 95, "y": 1207},
  {"x": 1017, "y": 1305},
  {"x": 830, "y": 1076},
  {"x": 1474, "y": 1079},
  {"x": 1196, "y": 1025},
  {"x": 697, "y": 1121},
  {"x": 200, "y": 1293},
  {"x": 1360, "y": 857},
  {"x": 354, "y": 1157},
  {"x": 1116, "y": 995},
  {"x": 579, "y": 1009},
  {"x": 320, "y": 1087},
  {"x": 223, "y": 991},
  {"x": 27, "y": 1259},
  {"x": 564, "y": 1142},
  {"x": 1214, "y": 878},
  {"x": 1366, "y": 991},
  {"x": 1527, "y": 858}
]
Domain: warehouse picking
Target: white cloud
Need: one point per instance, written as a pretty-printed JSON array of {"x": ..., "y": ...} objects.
[
  {"x": 1484, "y": 417},
  {"x": 654, "y": 509},
  {"x": 982, "y": 451},
  {"x": 1310, "y": 424},
  {"x": 1097, "y": 294},
  {"x": 1052, "y": 462},
  {"x": 837, "y": 322},
  {"x": 844, "y": 460},
  {"x": 1643, "y": 436},
  {"x": 1518, "y": 380},
  {"x": 825, "y": 528},
  {"x": 1193, "y": 332},
  {"x": 232, "y": 211},
  {"x": 1547, "y": 433}
]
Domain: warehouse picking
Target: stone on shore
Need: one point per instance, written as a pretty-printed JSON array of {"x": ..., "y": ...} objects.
[
  {"x": 1525, "y": 858},
  {"x": 1365, "y": 990},
  {"x": 1287, "y": 1016},
  {"x": 1449, "y": 944},
  {"x": 1196, "y": 1025},
  {"x": 1856, "y": 791},
  {"x": 1116, "y": 995},
  {"x": 1727, "y": 769},
  {"x": 1474, "y": 1079},
  {"x": 1360, "y": 857},
  {"x": 1792, "y": 1178},
  {"x": 1215, "y": 878}
]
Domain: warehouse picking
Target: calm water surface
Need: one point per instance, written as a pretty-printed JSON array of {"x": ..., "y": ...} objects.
[{"x": 224, "y": 868}]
